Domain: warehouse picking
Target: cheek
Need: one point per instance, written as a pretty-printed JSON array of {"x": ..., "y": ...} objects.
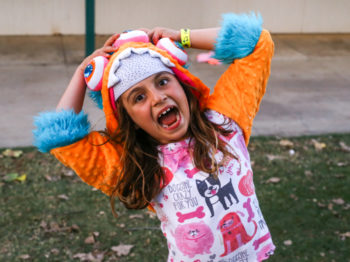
[{"x": 140, "y": 116}]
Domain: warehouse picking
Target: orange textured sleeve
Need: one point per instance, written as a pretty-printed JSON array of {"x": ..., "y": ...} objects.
[
  {"x": 238, "y": 92},
  {"x": 94, "y": 160}
]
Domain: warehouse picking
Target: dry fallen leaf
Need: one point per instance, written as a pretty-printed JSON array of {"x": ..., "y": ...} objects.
[
  {"x": 344, "y": 147},
  {"x": 12, "y": 153},
  {"x": 68, "y": 172},
  {"x": 54, "y": 227},
  {"x": 63, "y": 197},
  {"x": 286, "y": 143},
  {"x": 274, "y": 157},
  {"x": 338, "y": 201},
  {"x": 294, "y": 197},
  {"x": 318, "y": 146},
  {"x": 308, "y": 173},
  {"x": 345, "y": 235},
  {"x": 55, "y": 251},
  {"x": 81, "y": 256},
  {"x": 136, "y": 216},
  {"x": 346, "y": 207},
  {"x": 43, "y": 224},
  {"x": 151, "y": 214},
  {"x": 89, "y": 240},
  {"x": 321, "y": 204},
  {"x": 93, "y": 257},
  {"x": 122, "y": 250},
  {"x": 75, "y": 228},
  {"x": 330, "y": 206},
  {"x": 342, "y": 164},
  {"x": 340, "y": 176},
  {"x": 273, "y": 180},
  {"x": 288, "y": 242},
  {"x": 24, "y": 257}
]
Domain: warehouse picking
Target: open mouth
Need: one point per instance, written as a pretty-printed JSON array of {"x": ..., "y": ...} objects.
[{"x": 169, "y": 118}]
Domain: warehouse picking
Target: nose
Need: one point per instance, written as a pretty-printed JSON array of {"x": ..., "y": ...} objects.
[{"x": 158, "y": 96}]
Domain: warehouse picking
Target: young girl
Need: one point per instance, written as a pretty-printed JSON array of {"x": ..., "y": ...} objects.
[{"x": 168, "y": 144}]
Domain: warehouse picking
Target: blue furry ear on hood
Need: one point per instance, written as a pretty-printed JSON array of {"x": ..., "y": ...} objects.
[
  {"x": 96, "y": 97},
  {"x": 238, "y": 36}
]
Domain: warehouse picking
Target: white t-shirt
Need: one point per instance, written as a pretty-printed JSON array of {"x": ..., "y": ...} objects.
[{"x": 208, "y": 219}]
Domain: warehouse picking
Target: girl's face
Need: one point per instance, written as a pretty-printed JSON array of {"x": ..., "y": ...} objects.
[{"x": 159, "y": 106}]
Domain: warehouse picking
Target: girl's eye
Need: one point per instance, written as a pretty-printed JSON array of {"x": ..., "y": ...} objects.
[
  {"x": 139, "y": 98},
  {"x": 163, "y": 82}
]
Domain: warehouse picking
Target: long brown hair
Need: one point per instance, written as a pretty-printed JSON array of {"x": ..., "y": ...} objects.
[{"x": 141, "y": 176}]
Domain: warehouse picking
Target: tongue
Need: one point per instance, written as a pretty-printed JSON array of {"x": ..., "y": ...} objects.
[{"x": 169, "y": 118}]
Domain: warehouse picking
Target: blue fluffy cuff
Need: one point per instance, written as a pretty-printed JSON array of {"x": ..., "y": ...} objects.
[
  {"x": 57, "y": 129},
  {"x": 238, "y": 36}
]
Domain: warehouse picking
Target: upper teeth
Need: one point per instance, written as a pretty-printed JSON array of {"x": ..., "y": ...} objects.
[{"x": 165, "y": 112}]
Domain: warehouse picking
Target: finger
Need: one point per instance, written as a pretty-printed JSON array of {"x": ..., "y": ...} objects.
[
  {"x": 109, "y": 49},
  {"x": 156, "y": 37},
  {"x": 150, "y": 34},
  {"x": 111, "y": 40}
]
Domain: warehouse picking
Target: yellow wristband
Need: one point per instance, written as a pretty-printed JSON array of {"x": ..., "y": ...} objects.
[{"x": 185, "y": 37}]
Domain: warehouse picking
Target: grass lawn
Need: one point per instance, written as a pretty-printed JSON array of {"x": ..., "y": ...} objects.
[{"x": 48, "y": 214}]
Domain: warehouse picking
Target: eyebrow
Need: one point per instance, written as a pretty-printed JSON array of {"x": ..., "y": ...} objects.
[
  {"x": 158, "y": 75},
  {"x": 132, "y": 92}
]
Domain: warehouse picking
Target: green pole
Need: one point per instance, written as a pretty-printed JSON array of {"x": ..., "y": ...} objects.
[{"x": 89, "y": 27}]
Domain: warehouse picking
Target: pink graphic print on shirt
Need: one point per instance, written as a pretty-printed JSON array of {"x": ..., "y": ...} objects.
[
  {"x": 233, "y": 232},
  {"x": 168, "y": 176},
  {"x": 176, "y": 155},
  {"x": 246, "y": 185},
  {"x": 194, "y": 238}
]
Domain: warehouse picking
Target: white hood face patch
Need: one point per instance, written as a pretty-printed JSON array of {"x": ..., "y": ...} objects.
[{"x": 133, "y": 65}]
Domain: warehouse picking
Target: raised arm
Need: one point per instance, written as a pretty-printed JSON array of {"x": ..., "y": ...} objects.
[
  {"x": 248, "y": 49},
  {"x": 65, "y": 133},
  {"x": 73, "y": 96},
  {"x": 200, "y": 38}
]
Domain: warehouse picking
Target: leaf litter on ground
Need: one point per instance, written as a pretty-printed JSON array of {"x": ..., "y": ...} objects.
[
  {"x": 314, "y": 177},
  {"x": 344, "y": 146},
  {"x": 318, "y": 145},
  {"x": 12, "y": 153},
  {"x": 122, "y": 250}
]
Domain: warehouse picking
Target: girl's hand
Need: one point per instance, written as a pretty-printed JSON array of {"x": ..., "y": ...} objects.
[
  {"x": 160, "y": 32},
  {"x": 73, "y": 96},
  {"x": 105, "y": 51}
]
